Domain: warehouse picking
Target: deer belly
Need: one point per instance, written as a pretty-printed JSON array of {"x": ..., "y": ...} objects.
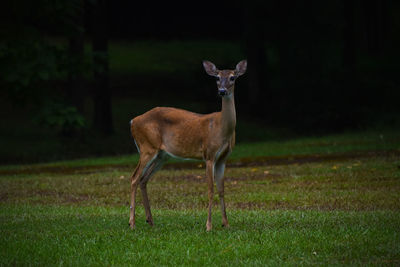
[{"x": 181, "y": 147}]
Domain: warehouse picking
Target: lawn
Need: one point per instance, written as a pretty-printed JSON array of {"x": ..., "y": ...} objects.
[
  {"x": 331, "y": 200},
  {"x": 88, "y": 235}
]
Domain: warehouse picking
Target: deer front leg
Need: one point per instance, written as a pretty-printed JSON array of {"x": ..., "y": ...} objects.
[
  {"x": 210, "y": 181},
  {"x": 219, "y": 177}
]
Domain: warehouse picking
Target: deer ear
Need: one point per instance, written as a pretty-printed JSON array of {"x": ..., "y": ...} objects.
[
  {"x": 241, "y": 67},
  {"x": 210, "y": 68}
]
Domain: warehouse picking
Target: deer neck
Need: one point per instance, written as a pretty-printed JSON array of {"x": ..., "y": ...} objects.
[{"x": 228, "y": 115}]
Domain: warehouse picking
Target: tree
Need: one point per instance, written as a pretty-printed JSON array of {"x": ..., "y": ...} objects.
[
  {"x": 349, "y": 36},
  {"x": 76, "y": 83},
  {"x": 102, "y": 120},
  {"x": 255, "y": 50}
]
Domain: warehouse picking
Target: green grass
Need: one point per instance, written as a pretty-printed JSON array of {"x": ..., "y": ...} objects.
[
  {"x": 64, "y": 235},
  {"x": 356, "y": 184},
  {"x": 328, "y": 200},
  {"x": 339, "y": 144},
  {"x": 344, "y": 211}
]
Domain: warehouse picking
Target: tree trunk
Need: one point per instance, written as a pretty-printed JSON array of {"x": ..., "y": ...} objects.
[
  {"x": 102, "y": 120},
  {"x": 349, "y": 36},
  {"x": 376, "y": 26},
  {"x": 76, "y": 83},
  {"x": 256, "y": 57}
]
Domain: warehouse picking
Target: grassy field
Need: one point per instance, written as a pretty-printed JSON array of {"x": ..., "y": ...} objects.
[
  {"x": 285, "y": 150},
  {"x": 314, "y": 201}
]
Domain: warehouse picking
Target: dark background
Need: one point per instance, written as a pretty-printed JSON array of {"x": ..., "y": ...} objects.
[{"x": 69, "y": 85}]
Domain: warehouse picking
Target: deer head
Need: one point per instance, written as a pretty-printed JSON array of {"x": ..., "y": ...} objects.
[{"x": 225, "y": 78}]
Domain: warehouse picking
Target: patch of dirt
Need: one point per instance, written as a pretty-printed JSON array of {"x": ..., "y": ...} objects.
[
  {"x": 302, "y": 159},
  {"x": 3, "y": 196},
  {"x": 188, "y": 177},
  {"x": 64, "y": 197},
  {"x": 245, "y": 162},
  {"x": 251, "y": 177},
  {"x": 323, "y": 206}
]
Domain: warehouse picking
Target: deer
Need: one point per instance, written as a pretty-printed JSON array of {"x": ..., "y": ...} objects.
[{"x": 165, "y": 132}]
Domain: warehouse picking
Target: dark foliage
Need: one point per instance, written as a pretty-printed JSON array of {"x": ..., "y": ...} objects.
[{"x": 313, "y": 66}]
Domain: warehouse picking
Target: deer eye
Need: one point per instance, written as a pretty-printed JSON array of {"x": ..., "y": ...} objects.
[{"x": 232, "y": 78}]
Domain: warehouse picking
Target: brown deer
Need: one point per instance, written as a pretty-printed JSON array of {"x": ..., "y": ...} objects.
[{"x": 165, "y": 132}]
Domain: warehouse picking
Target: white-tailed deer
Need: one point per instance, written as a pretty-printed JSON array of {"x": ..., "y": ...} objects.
[{"x": 169, "y": 132}]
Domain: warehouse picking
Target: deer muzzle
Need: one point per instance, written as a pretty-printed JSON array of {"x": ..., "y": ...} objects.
[{"x": 222, "y": 91}]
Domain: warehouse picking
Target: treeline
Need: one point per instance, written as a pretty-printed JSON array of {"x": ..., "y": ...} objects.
[{"x": 313, "y": 65}]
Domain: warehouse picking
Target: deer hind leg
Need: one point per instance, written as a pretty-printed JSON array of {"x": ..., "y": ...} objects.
[
  {"x": 219, "y": 177},
  {"x": 155, "y": 165},
  {"x": 144, "y": 162},
  {"x": 210, "y": 181}
]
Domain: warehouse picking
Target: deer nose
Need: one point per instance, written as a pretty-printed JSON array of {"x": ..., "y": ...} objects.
[{"x": 222, "y": 91}]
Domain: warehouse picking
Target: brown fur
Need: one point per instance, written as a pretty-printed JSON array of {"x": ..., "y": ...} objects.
[
  {"x": 165, "y": 131},
  {"x": 182, "y": 133}
]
